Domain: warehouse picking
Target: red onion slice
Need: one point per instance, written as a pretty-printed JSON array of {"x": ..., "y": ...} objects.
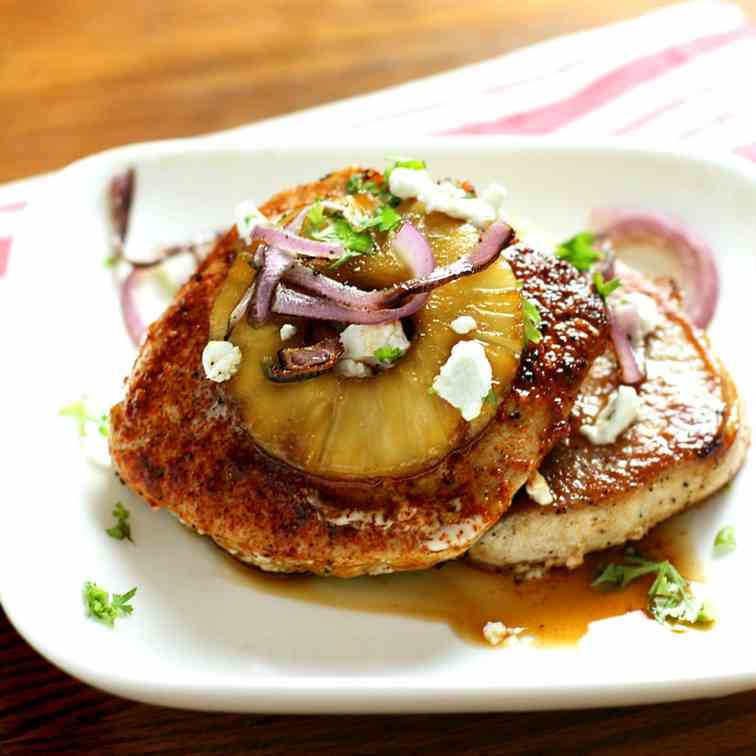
[
  {"x": 274, "y": 265},
  {"x": 199, "y": 250},
  {"x": 329, "y": 288},
  {"x": 298, "y": 245},
  {"x": 288, "y": 301},
  {"x": 497, "y": 237},
  {"x": 132, "y": 320},
  {"x": 621, "y": 323},
  {"x": 412, "y": 248},
  {"x": 120, "y": 195},
  {"x": 698, "y": 270}
]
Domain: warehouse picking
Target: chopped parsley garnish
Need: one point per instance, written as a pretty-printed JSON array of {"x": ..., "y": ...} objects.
[
  {"x": 490, "y": 397},
  {"x": 605, "y": 288},
  {"x": 104, "y": 609},
  {"x": 725, "y": 539},
  {"x": 579, "y": 251},
  {"x": 356, "y": 184},
  {"x": 532, "y": 321},
  {"x": 388, "y": 355},
  {"x": 122, "y": 528},
  {"x": 385, "y": 219},
  {"x": 670, "y": 598},
  {"x": 78, "y": 412},
  {"x": 316, "y": 217},
  {"x": 412, "y": 164}
]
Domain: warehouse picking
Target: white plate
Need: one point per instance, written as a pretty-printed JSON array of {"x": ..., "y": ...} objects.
[{"x": 199, "y": 639}]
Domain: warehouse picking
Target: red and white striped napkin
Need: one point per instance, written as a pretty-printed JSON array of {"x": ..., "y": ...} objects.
[{"x": 682, "y": 74}]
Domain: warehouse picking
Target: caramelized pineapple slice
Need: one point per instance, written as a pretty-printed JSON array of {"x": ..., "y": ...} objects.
[{"x": 390, "y": 424}]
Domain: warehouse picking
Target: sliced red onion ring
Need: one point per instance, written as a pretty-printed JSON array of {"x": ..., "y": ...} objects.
[
  {"x": 275, "y": 263},
  {"x": 698, "y": 271},
  {"x": 409, "y": 244},
  {"x": 132, "y": 320},
  {"x": 288, "y": 301},
  {"x": 413, "y": 250},
  {"x": 494, "y": 240},
  {"x": 329, "y": 288},
  {"x": 199, "y": 250},
  {"x": 623, "y": 320},
  {"x": 121, "y": 194},
  {"x": 289, "y": 242}
]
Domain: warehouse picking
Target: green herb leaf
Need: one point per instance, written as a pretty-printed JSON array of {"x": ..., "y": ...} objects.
[
  {"x": 356, "y": 184},
  {"x": 79, "y": 413},
  {"x": 532, "y": 321},
  {"x": 389, "y": 218},
  {"x": 725, "y": 539},
  {"x": 399, "y": 162},
  {"x": 605, "y": 288},
  {"x": 490, "y": 397},
  {"x": 385, "y": 219},
  {"x": 100, "y": 607},
  {"x": 579, "y": 251},
  {"x": 388, "y": 354},
  {"x": 670, "y": 598},
  {"x": 122, "y": 528},
  {"x": 316, "y": 216}
]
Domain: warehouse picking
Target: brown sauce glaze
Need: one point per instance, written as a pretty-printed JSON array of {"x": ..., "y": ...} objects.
[{"x": 555, "y": 610}]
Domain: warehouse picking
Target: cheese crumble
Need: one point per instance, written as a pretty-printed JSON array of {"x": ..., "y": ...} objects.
[
  {"x": 221, "y": 360},
  {"x": 465, "y": 378},
  {"x": 617, "y": 415},
  {"x": 463, "y": 325}
]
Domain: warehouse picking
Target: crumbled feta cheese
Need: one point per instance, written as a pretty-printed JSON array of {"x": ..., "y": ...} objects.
[
  {"x": 247, "y": 217},
  {"x": 361, "y": 342},
  {"x": 463, "y": 325},
  {"x": 352, "y": 369},
  {"x": 617, "y": 415},
  {"x": 497, "y": 632},
  {"x": 407, "y": 182},
  {"x": 465, "y": 378},
  {"x": 445, "y": 197},
  {"x": 538, "y": 490},
  {"x": 287, "y": 331},
  {"x": 221, "y": 360}
]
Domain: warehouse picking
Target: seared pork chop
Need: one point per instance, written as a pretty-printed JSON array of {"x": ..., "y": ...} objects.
[
  {"x": 179, "y": 440},
  {"x": 689, "y": 441}
]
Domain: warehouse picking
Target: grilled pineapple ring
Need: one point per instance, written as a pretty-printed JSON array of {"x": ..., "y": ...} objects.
[{"x": 391, "y": 424}]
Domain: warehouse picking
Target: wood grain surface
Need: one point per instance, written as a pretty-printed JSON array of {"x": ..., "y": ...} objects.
[{"x": 78, "y": 76}]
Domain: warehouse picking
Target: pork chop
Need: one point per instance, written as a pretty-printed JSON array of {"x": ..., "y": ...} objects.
[
  {"x": 179, "y": 440},
  {"x": 689, "y": 441}
]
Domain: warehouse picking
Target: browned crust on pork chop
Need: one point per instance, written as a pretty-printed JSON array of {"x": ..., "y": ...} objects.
[
  {"x": 179, "y": 440},
  {"x": 690, "y": 440}
]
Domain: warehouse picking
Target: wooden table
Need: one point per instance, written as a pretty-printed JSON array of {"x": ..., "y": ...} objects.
[{"x": 81, "y": 76}]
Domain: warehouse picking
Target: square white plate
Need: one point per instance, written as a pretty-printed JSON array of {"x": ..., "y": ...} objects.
[{"x": 200, "y": 639}]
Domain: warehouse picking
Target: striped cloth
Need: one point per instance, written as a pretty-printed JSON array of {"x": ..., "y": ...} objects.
[{"x": 681, "y": 74}]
